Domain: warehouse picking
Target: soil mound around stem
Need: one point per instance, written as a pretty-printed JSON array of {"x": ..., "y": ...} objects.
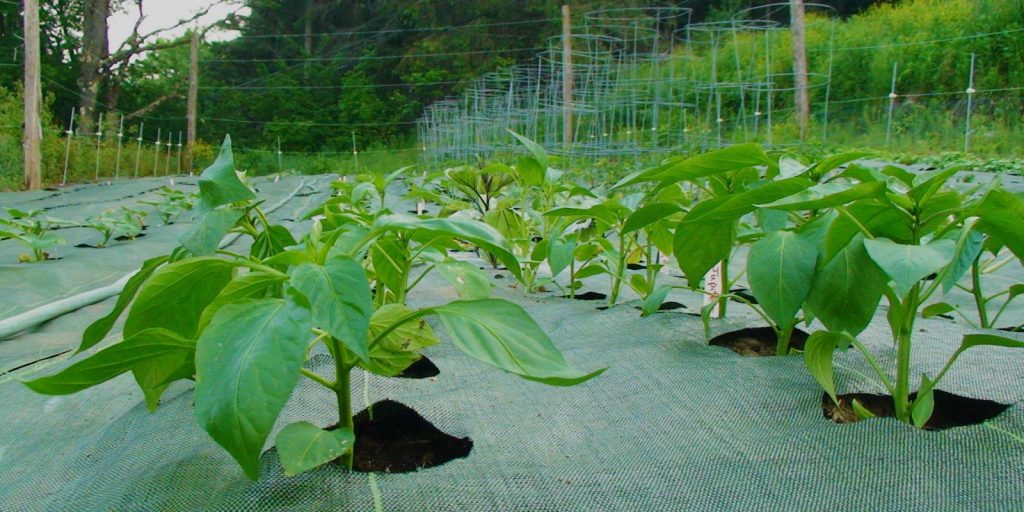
[
  {"x": 757, "y": 341},
  {"x": 951, "y": 410}
]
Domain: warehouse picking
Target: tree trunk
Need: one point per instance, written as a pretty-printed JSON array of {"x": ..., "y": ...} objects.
[{"x": 94, "y": 51}]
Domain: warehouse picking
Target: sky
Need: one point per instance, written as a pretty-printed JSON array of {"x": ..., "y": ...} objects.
[{"x": 164, "y": 13}]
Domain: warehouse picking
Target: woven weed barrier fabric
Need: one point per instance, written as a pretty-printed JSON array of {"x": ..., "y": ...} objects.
[{"x": 673, "y": 424}]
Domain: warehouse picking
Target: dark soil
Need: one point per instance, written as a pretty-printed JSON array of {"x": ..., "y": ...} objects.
[
  {"x": 399, "y": 440},
  {"x": 1019, "y": 328},
  {"x": 757, "y": 341},
  {"x": 124, "y": 238},
  {"x": 587, "y": 296},
  {"x": 636, "y": 266},
  {"x": 950, "y": 410},
  {"x": 667, "y": 306},
  {"x": 421, "y": 369}
]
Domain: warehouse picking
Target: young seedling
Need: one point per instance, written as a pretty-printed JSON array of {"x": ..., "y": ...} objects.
[
  {"x": 174, "y": 202},
  {"x": 118, "y": 222},
  {"x": 243, "y": 326},
  {"x": 32, "y": 230}
]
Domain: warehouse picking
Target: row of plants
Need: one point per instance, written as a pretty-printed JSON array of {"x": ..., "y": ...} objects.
[
  {"x": 34, "y": 230},
  {"x": 826, "y": 242},
  {"x": 245, "y": 325}
]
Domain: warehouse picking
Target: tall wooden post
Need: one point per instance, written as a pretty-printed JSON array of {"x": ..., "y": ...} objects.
[
  {"x": 193, "y": 101},
  {"x": 803, "y": 100},
  {"x": 33, "y": 128},
  {"x": 567, "y": 77}
]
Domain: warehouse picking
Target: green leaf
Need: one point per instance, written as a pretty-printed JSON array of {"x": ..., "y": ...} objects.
[
  {"x": 939, "y": 308},
  {"x": 1002, "y": 215},
  {"x": 176, "y": 294},
  {"x": 969, "y": 245},
  {"x": 699, "y": 244},
  {"x": 252, "y": 285},
  {"x": 654, "y": 300},
  {"x": 924, "y": 403},
  {"x": 469, "y": 281},
  {"x": 780, "y": 269},
  {"x": 532, "y": 169},
  {"x": 846, "y": 291},
  {"x": 818, "y": 352},
  {"x": 145, "y": 346},
  {"x": 339, "y": 298},
  {"x": 881, "y": 220},
  {"x": 977, "y": 340},
  {"x": 503, "y": 335},
  {"x": 272, "y": 241},
  {"x": 247, "y": 363},
  {"x": 560, "y": 253},
  {"x": 390, "y": 258},
  {"x": 203, "y": 237},
  {"x": 862, "y": 412},
  {"x": 99, "y": 329},
  {"x": 303, "y": 446},
  {"x": 733, "y": 158},
  {"x": 738, "y": 205},
  {"x": 827, "y": 195},
  {"x": 219, "y": 184},
  {"x": 819, "y": 169},
  {"x": 475, "y": 232},
  {"x": 649, "y": 214},
  {"x": 400, "y": 348},
  {"x": 905, "y": 264}
]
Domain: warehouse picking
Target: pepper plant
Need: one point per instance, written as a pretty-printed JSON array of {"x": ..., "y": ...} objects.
[
  {"x": 121, "y": 222},
  {"x": 33, "y": 230},
  {"x": 243, "y": 325},
  {"x": 912, "y": 241}
]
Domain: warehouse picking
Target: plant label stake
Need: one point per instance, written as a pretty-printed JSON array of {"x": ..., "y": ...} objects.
[{"x": 713, "y": 289}]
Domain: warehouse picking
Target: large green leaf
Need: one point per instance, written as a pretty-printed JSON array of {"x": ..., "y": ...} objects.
[
  {"x": 699, "y": 244},
  {"x": 219, "y": 184},
  {"x": 649, "y": 214},
  {"x": 907, "y": 264},
  {"x": 176, "y": 294},
  {"x": 99, "y": 329},
  {"x": 1002, "y": 215},
  {"x": 400, "y": 347},
  {"x": 846, "y": 291},
  {"x": 253, "y": 285},
  {"x": 780, "y": 269},
  {"x": 469, "y": 281},
  {"x": 209, "y": 228},
  {"x": 532, "y": 169},
  {"x": 721, "y": 161},
  {"x": 145, "y": 346},
  {"x": 881, "y": 220},
  {"x": 247, "y": 363},
  {"x": 969, "y": 245},
  {"x": 503, "y": 335},
  {"x": 475, "y": 232},
  {"x": 827, "y": 195},
  {"x": 303, "y": 446},
  {"x": 339, "y": 299},
  {"x": 737, "y": 205}
]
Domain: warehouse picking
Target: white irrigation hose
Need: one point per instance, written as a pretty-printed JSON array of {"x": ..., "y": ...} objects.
[{"x": 20, "y": 322}]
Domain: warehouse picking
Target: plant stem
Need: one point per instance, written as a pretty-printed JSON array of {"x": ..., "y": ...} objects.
[
  {"x": 901, "y": 399},
  {"x": 619, "y": 270},
  {"x": 343, "y": 390},
  {"x": 783, "y": 335},
  {"x": 979, "y": 298},
  {"x": 317, "y": 378},
  {"x": 726, "y": 289}
]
